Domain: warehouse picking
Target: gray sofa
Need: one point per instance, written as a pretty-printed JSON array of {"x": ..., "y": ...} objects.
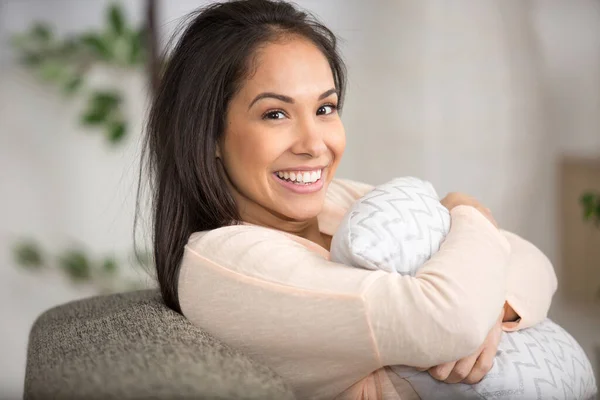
[{"x": 131, "y": 346}]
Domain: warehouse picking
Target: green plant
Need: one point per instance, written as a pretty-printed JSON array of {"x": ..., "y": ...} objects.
[
  {"x": 590, "y": 202},
  {"x": 79, "y": 267},
  {"x": 65, "y": 62}
]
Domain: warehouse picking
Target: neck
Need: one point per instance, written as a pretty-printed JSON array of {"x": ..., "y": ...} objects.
[{"x": 255, "y": 214}]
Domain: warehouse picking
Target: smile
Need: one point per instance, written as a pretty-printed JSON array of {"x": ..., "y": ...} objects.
[
  {"x": 300, "y": 177},
  {"x": 301, "y": 182}
]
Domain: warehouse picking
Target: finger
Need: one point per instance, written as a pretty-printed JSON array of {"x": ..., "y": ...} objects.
[
  {"x": 463, "y": 368},
  {"x": 421, "y": 369},
  {"x": 484, "y": 363},
  {"x": 441, "y": 372}
]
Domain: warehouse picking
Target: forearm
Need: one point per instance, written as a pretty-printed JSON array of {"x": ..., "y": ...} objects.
[{"x": 446, "y": 310}]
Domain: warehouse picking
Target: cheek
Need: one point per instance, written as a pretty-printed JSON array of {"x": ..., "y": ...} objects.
[
  {"x": 337, "y": 143},
  {"x": 250, "y": 156}
]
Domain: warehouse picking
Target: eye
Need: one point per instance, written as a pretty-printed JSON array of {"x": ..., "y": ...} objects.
[
  {"x": 274, "y": 114},
  {"x": 327, "y": 109}
]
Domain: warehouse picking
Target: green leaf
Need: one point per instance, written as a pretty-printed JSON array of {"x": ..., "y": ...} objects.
[
  {"x": 72, "y": 84},
  {"x": 115, "y": 19},
  {"x": 41, "y": 32},
  {"x": 98, "y": 45},
  {"x": 116, "y": 131},
  {"x": 70, "y": 47},
  {"x": 105, "y": 100},
  {"x": 138, "y": 44},
  {"x": 587, "y": 198},
  {"x": 52, "y": 70},
  {"x": 121, "y": 50},
  {"x": 587, "y": 213},
  {"x": 32, "y": 60},
  {"x": 109, "y": 266},
  {"x": 94, "y": 117},
  {"x": 591, "y": 206},
  {"x": 76, "y": 265},
  {"x": 28, "y": 254},
  {"x": 101, "y": 105}
]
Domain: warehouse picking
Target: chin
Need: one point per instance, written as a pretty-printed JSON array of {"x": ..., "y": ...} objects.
[{"x": 304, "y": 214}]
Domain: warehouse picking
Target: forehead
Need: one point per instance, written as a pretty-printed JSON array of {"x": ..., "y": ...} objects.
[{"x": 294, "y": 67}]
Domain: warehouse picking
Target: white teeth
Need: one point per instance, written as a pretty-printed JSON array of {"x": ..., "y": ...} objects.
[{"x": 301, "y": 177}]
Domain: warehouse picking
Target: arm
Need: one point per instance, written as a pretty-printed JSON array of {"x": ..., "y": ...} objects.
[
  {"x": 447, "y": 310},
  {"x": 261, "y": 292},
  {"x": 530, "y": 286}
]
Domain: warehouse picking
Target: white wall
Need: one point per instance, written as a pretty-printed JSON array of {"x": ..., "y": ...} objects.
[
  {"x": 58, "y": 184},
  {"x": 480, "y": 97},
  {"x": 569, "y": 33}
]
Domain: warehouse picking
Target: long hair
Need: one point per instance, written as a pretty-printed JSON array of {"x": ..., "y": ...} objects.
[{"x": 187, "y": 117}]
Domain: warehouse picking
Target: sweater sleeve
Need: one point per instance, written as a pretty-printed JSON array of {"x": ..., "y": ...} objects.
[
  {"x": 321, "y": 324},
  {"x": 531, "y": 283},
  {"x": 445, "y": 311}
]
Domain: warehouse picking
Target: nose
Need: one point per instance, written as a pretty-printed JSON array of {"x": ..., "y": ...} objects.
[{"x": 310, "y": 139}]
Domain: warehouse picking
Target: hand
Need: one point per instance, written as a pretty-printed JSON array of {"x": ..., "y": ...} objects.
[
  {"x": 473, "y": 368},
  {"x": 510, "y": 315},
  {"x": 454, "y": 199}
]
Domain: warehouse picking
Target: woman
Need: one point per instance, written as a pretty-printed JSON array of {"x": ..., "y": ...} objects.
[{"x": 243, "y": 141}]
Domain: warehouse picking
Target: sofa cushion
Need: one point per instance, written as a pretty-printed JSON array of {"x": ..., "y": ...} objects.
[{"x": 131, "y": 345}]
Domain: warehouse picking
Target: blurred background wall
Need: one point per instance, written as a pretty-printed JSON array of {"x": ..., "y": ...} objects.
[{"x": 481, "y": 97}]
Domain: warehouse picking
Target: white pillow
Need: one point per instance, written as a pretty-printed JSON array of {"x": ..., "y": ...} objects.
[{"x": 397, "y": 227}]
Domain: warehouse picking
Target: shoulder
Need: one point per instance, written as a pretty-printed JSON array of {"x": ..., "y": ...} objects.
[
  {"x": 263, "y": 256},
  {"x": 245, "y": 249},
  {"x": 234, "y": 240}
]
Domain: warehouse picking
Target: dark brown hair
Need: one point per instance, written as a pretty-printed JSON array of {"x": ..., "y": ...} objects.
[{"x": 187, "y": 117}]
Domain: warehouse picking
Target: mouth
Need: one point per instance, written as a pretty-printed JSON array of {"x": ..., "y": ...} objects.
[
  {"x": 301, "y": 181},
  {"x": 300, "y": 177}
]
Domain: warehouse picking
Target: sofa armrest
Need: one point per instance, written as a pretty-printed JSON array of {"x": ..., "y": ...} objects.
[{"x": 130, "y": 345}]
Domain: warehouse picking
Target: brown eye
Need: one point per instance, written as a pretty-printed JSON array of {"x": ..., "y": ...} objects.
[
  {"x": 326, "y": 109},
  {"x": 274, "y": 115}
]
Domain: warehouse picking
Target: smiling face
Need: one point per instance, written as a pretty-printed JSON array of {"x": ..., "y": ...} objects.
[{"x": 283, "y": 136}]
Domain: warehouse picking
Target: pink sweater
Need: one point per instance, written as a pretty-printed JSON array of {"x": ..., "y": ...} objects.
[{"x": 329, "y": 329}]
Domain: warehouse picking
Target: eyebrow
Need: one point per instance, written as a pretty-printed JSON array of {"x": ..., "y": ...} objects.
[{"x": 287, "y": 99}]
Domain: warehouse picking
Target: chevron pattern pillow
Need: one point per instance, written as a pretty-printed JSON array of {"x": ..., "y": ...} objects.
[
  {"x": 396, "y": 228},
  {"x": 542, "y": 362}
]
